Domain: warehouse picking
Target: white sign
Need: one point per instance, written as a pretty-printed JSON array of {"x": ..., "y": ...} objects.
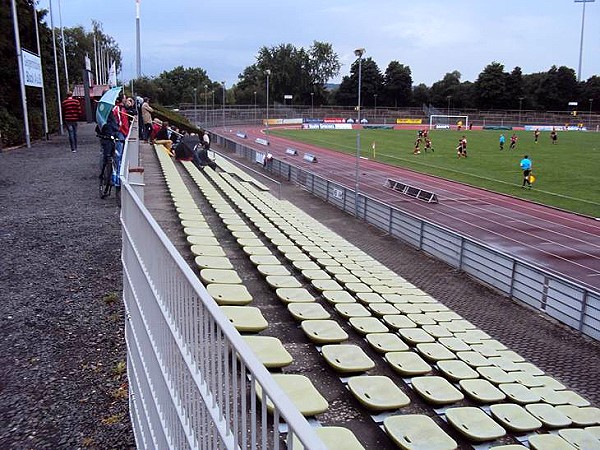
[
  {"x": 288, "y": 97},
  {"x": 32, "y": 68}
]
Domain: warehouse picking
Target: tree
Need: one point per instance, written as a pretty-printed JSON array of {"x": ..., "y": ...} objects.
[
  {"x": 441, "y": 90},
  {"x": 293, "y": 71},
  {"x": 371, "y": 83},
  {"x": 556, "y": 88},
  {"x": 491, "y": 87},
  {"x": 397, "y": 85},
  {"x": 420, "y": 94}
]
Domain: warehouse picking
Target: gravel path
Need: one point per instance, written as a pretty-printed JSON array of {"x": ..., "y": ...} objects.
[{"x": 62, "y": 358}]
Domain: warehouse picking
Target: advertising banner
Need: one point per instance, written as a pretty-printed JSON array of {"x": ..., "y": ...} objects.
[
  {"x": 32, "y": 68},
  {"x": 334, "y": 120},
  {"x": 409, "y": 121}
]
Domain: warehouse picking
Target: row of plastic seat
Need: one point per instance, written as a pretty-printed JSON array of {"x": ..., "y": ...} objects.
[
  {"x": 374, "y": 314},
  {"x": 524, "y": 385},
  {"x": 479, "y": 389},
  {"x": 218, "y": 277}
]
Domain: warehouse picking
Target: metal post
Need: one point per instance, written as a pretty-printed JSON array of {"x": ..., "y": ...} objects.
[
  {"x": 223, "y": 83},
  {"x": 39, "y": 50},
  {"x": 138, "y": 51},
  {"x": 520, "y": 107},
  {"x": 195, "y": 106},
  {"x": 590, "y": 115},
  {"x": 581, "y": 40},
  {"x": 268, "y": 73},
  {"x": 22, "y": 81},
  {"x": 448, "y": 113},
  {"x": 62, "y": 37},
  {"x": 60, "y": 120},
  {"x": 255, "y": 106},
  {"x": 205, "y": 104},
  {"x": 359, "y": 52},
  {"x": 312, "y": 104}
]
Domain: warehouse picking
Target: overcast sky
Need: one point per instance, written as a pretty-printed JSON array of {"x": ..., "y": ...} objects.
[{"x": 433, "y": 37}]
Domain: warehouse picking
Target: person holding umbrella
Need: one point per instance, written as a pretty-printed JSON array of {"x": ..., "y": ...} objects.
[{"x": 107, "y": 125}]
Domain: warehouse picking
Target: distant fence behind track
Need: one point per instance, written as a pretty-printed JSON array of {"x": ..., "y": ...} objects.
[{"x": 567, "y": 301}]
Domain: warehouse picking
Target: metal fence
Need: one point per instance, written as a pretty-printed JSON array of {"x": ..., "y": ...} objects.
[
  {"x": 192, "y": 378},
  {"x": 566, "y": 301}
]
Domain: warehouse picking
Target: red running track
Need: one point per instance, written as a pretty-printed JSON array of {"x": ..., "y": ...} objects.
[{"x": 564, "y": 243}]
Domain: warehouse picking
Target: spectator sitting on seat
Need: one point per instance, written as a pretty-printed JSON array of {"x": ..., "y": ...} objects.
[
  {"x": 165, "y": 136},
  {"x": 201, "y": 158},
  {"x": 206, "y": 140}
]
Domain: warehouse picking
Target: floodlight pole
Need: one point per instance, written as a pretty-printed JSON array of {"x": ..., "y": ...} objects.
[
  {"x": 205, "y": 105},
  {"x": 359, "y": 52},
  {"x": 590, "y": 114},
  {"x": 195, "y": 104},
  {"x": 223, "y": 83},
  {"x": 255, "y": 106},
  {"x": 520, "y": 107},
  {"x": 448, "y": 113},
  {"x": 312, "y": 104},
  {"x": 268, "y": 73},
  {"x": 581, "y": 40}
]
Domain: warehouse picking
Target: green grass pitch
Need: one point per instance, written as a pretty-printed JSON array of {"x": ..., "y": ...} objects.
[{"x": 567, "y": 174}]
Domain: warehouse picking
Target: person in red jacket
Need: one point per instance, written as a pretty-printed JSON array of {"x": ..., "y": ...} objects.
[{"x": 71, "y": 109}]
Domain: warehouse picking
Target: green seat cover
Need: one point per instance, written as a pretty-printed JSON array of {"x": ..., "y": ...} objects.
[
  {"x": 474, "y": 424},
  {"x": 324, "y": 331},
  {"x": 269, "y": 350},
  {"x": 301, "y": 392},
  {"x": 407, "y": 364},
  {"x": 436, "y": 390},
  {"x": 308, "y": 311},
  {"x": 386, "y": 342},
  {"x": 229, "y": 294},
  {"x": 377, "y": 393},
  {"x": 347, "y": 358},
  {"x": 417, "y": 432},
  {"x": 245, "y": 318},
  {"x": 515, "y": 417}
]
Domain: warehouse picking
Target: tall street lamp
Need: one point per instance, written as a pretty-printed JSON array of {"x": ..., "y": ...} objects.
[
  {"x": 520, "y": 108},
  {"x": 448, "y": 113},
  {"x": 223, "y": 84},
  {"x": 581, "y": 40},
  {"x": 205, "y": 104},
  {"x": 312, "y": 104},
  {"x": 590, "y": 114},
  {"x": 268, "y": 74},
  {"x": 195, "y": 103},
  {"x": 359, "y": 52},
  {"x": 255, "y": 106}
]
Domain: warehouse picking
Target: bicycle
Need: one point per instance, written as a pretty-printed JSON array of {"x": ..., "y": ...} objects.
[{"x": 109, "y": 173}]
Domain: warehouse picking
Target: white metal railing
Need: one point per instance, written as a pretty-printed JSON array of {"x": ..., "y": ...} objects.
[
  {"x": 192, "y": 377},
  {"x": 567, "y": 301}
]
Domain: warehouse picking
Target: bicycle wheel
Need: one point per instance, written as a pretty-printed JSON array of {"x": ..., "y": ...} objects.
[{"x": 105, "y": 179}]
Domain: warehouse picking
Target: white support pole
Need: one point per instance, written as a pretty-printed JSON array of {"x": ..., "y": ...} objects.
[
  {"x": 95, "y": 60},
  {"x": 60, "y": 120},
  {"x": 21, "y": 80},
  {"x": 138, "y": 48},
  {"x": 39, "y": 50},
  {"x": 62, "y": 38}
]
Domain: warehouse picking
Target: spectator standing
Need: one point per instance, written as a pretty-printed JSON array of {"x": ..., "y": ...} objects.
[
  {"x": 71, "y": 109},
  {"x": 147, "y": 118},
  {"x": 526, "y": 165}
]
